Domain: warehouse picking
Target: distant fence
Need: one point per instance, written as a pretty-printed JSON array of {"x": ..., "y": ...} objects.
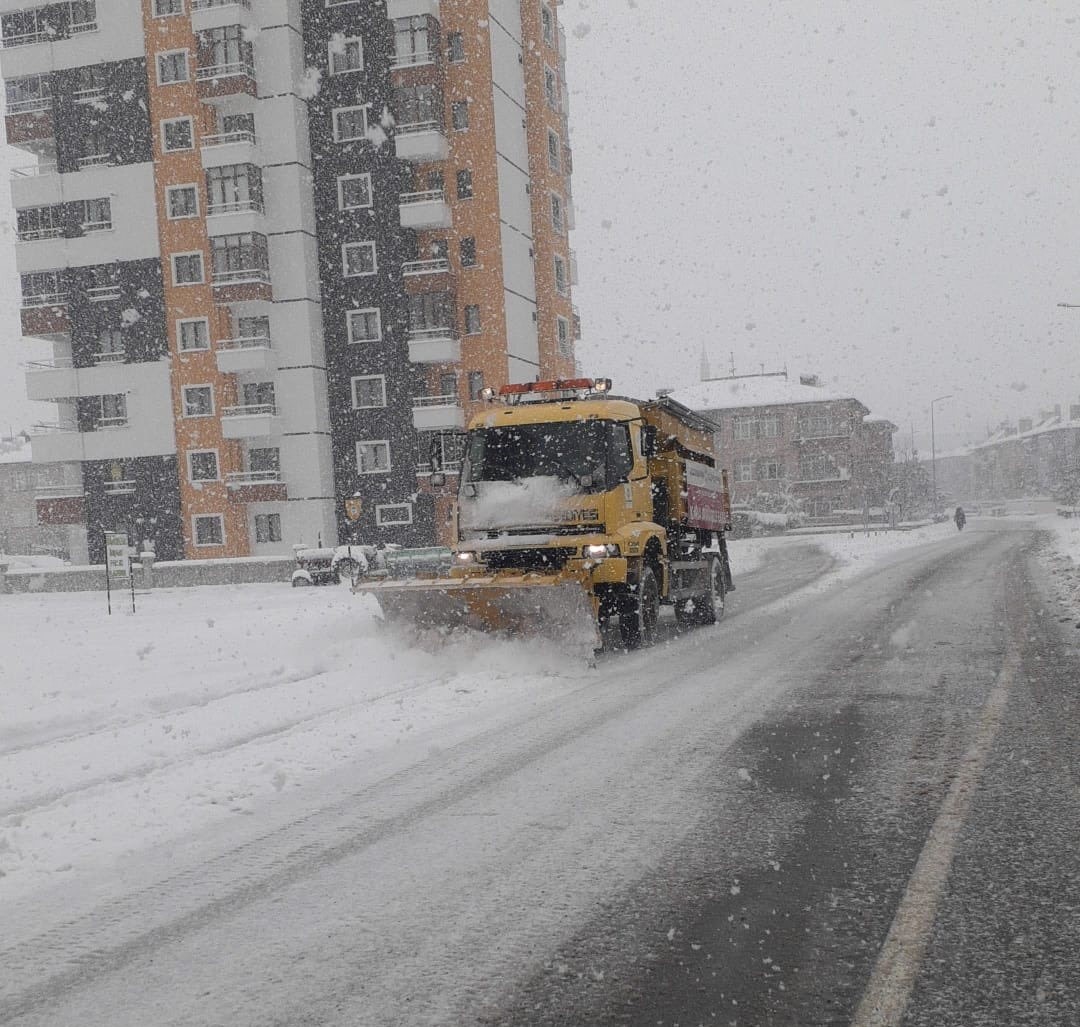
[{"x": 171, "y": 574}]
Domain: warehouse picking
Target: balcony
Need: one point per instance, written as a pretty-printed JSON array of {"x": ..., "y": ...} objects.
[
  {"x": 434, "y": 346},
  {"x": 120, "y": 488},
  {"x": 32, "y": 106},
  {"x": 421, "y": 142},
  {"x": 64, "y": 443},
  {"x": 227, "y": 148},
  {"x": 424, "y": 468},
  {"x": 34, "y": 170},
  {"x": 252, "y": 421},
  {"x": 413, "y": 268},
  {"x": 237, "y": 218},
  {"x": 51, "y": 380},
  {"x": 217, "y": 14},
  {"x": 411, "y": 59},
  {"x": 60, "y": 504},
  {"x": 424, "y": 210},
  {"x": 438, "y": 413},
  {"x": 411, "y": 9},
  {"x": 251, "y": 354},
  {"x": 103, "y": 293},
  {"x": 239, "y": 284},
  {"x": 257, "y": 486},
  {"x": 225, "y": 79},
  {"x": 96, "y": 160}
]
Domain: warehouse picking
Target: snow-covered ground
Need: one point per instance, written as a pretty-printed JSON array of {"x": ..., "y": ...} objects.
[{"x": 209, "y": 704}]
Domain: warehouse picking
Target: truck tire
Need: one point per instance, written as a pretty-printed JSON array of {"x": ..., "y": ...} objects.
[
  {"x": 709, "y": 608},
  {"x": 641, "y": 611}
]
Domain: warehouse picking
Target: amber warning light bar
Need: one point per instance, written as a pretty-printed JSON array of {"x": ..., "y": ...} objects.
[{"x": 561, "y": 386}]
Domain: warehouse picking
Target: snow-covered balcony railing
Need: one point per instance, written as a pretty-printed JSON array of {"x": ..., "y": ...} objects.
[
  {"x": 430, "y": 196},
  {"x": 231, "y": 70},
  {"x": 424, "y": 468},
  {"x": 38, "y": 103},
  {"x": 36, "y": 234},
  {"x": 96, "y": 160},
  {"x": 54, "y": 428},
  {"x": 56, "y": 364},
  {"x": 413, "y": 59},
  {"x": 247, "y": 342},
  {"x": 69, "y": 491},
  {"x": 119, "y": 488},
  {"x": 229, "y": 138},
  {"x": 429, "y": 334},
  {"x": 421, "y": 141},
  {"x": 238, "y": 479},
  {"x": 426, "y": 267},
  {"x": 45, "y": 299},
  {"x": 112, "y": 357},
  {"x": 29, "y": 38},
  {"x": 103, "y": 293},
  {"x": 450, "y": 399},
  {"x": 206, "y": 5},
  {"x": 97, "y": 226},
  {"x": 109, "y": 423},
  {"x": 413, "y": 128},
  {"x": 88, "y": 95},
  {"x": 251, "y": 410},
  {"x": 251, "y": 205},
  {"x": 34, "y": 170},
  {"x": 242, "y": 276}
]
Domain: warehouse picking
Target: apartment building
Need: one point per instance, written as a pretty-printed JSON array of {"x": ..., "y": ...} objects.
[
  {"x": 796, "y": 442},
  {"x": 278, "y": 246}
]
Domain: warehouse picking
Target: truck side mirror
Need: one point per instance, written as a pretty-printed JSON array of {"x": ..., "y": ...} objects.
[{"x": 648, "y": 440}]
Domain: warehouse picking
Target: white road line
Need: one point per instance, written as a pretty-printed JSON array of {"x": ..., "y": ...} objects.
[{"x": 889, "y": 989}]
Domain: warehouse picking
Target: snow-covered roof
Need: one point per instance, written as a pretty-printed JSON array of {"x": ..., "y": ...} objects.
[
  {"x": 1009, "y": 433},
  {"x": 731, "y": 393},
  {"x": 15, "y": 450}
]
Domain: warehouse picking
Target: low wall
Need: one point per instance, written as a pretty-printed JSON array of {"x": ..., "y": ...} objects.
[{"x": 178, "y": 574}]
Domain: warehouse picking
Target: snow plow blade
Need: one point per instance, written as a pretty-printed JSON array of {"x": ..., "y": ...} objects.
[{"x": 520, "y": 607}]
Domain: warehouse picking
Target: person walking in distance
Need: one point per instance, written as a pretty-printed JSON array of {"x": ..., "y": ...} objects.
[{"x": 960, "y": 519}]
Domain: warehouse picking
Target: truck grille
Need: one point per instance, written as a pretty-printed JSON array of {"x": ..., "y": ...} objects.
[{"x": 529, "y": 559}]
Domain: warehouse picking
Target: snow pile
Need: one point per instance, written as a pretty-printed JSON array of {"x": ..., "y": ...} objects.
[{"x": 514, "y": 504}]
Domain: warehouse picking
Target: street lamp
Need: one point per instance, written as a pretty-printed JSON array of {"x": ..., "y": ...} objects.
[{"x": 933, "y": 450}]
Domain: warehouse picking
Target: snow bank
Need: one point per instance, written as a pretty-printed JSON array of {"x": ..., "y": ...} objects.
[{"x": 514, "y": 504}]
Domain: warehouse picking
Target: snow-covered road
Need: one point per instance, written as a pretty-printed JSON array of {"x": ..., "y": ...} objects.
[{"x": 252, "y": 806}]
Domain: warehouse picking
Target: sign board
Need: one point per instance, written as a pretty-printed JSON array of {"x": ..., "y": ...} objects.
[
  {"x": 354, "y": 507},
  {"x": 707, "y": 502},
  {"x": 117, "y": 554}
]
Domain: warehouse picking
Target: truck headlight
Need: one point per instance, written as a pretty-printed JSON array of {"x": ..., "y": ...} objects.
[
  {"x": 598, "y": 552},
  {"x": 465, "y": 558}
]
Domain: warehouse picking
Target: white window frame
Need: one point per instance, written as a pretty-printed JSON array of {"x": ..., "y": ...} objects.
[
  {"x": 373, "y": 442},
  {"x": 184, "y": 403},
  {"x": 202, "y": 264},
  {"x": 255, "y": 528},
  {"x": 170, "y": 189},
  {"x": 551, "y": 101},
  {"x": 330, "y": 54},
  {"x": 558, "y": 225},
  {"x": 554, "y": 159},
  {"x": 346, "y": 110},
  {"x": 558, "y": 259},
  {"x": 345, "y": 247},
  {"x": 195, "y": 530},
  {"x": 173, "y": 121},
  {"x": 547, "y": 28},
  {"x": 744, "y": 464},
  {"x": 173, "y": 53},
  {"x": 381, "y": 378},
  {"x": 380, "y": 507},
  {"x": 167, "y": 14},
  {"x": 564, "y": 349},
  {"x": 180, "y": 322},
  {"x": 352, "y": 178},
  {"x": 479, "y": 318},
  {"x": 190, "y": 467},
  {"x": 349, "y": 321}
]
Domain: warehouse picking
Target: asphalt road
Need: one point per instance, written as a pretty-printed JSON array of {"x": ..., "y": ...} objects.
[{"x": 848, "y": 803}]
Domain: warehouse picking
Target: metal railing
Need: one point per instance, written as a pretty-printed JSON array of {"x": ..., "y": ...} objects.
[
  {"x": 424, "y": 467},
  {"x": 259, "y": 275},
  {"x": 87, "y": 95},
  {"x": 34, "y": 170},
  {"x": 39, "y": 103},
  {"x": 235, "y": 479},
  {"x": 54, "y": 428},
  {"x": 229, "y": 138},
  {"x": 111, "y": 357},
  {"x": 37, "y": 234},
  {"x": 417, "y": 127},
  {"x": 425, "y": 267},
  {"x": 430, "y": 196},
  {"x": 248, "y": 342},
  {"x": 101, "y": 293},
  {"x": 73, "y": 491},
  {"x": 29, "y": 38},
  {"x": 206, "y": 5},
  {"x": 45, "y": 299},
  {"x": 236, "y": 207},
  {"x": 97, "y": 226},
  {"x": 105, "y": 423},
  {"x": 96, "y": 160},
  {"x": 425, "y": 334},
  {"x": 412, "y": 60},
  {"x": 230, "y": 70},
  {"x": 119, "y": 488},
  {"x": 251, "y": 410},
  {"x": 449, "y": 400},
  {"x": 56, "y": 364}
]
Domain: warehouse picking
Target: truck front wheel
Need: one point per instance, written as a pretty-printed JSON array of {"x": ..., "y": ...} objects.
[{"x": 640, "y": 612}]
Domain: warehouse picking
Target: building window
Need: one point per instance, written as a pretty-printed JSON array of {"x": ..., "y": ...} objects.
[
  {"x": 172, "y": 67},
  {"x": 551, "y": 88},
  {"x": 464, "y": 185},
  {"x": 350, "y": 123},
  {"x": 770, "y": 470},
  {"x": 28, "y": 93},
  {"x": 193, "y": 334},
  {"x": 354, "y": 191},
  {"x": 177, "y": 134},
  {"x": 187, "y": 268},
  {"x": 547, "y": 24},
  {"x": 346, "y": 54},
  {"x": 209, "y": 530},
  {"x": 744, "y": 470},
  {"x": 468, "y": 252},
  {"x": 110, "y": 346},
  {"x": 256, "y": 327},
  {"x": 553, "y": 151},
  {"x": 198, "y": 401},
  {"x": 418, "y": 105},
  {"x": 163, "y": 8},
  {"x": 111, "y": 411},
  {"x": 472, "y": 319},
  {"x": 818, "y": 467},
  {"x": 373, "y": 457},
  {"x": 43, "y": 288},
  {"x": 369, "y": 392},
  {"x": 40, "y": 222},
  {"x": 745, "y": 427},
  {"x": 820, "y": 425},
  {"x": 459, "y": 115},
  {"x": 411, "y": 41},
  {"x": 264, "y": 460},
  {"x": 476, "y": 383},
  {"x": 455, "y": 47},
  {"x": 234, "y": 187},
  {"x": 557, "y": 222},
  {"x": 241, "y": 257},
  {"x": 364, "y": 325},
  {"x": 268, "y": 527},
  {"x": 203, "y": 465},
  {"x": 561, "y": 285},
  {"x": 387, "y": 514},
  {"x": 182, "y": 201},
  {"x": 562, "y": 331},
  {"x": 358, "y": 258},
  {"x": 769, "y": 426},
  {"x": 225, "y": 49}
]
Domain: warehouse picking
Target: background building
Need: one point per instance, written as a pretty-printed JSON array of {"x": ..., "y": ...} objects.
[
  {"x": 278, "y": 248},
  {"x": 797, "y": 445}
]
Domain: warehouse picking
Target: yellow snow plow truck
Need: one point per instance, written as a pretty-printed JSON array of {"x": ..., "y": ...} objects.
[{"x": 576, "y": 507}]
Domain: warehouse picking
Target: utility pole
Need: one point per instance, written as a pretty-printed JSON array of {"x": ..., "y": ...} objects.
[{"x": 933, "y": 452}]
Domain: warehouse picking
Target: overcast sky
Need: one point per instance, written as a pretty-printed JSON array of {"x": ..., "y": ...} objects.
[{"x": 878, "y": 192}]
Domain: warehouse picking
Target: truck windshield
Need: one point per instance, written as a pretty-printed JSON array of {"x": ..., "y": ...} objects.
[{"x": 592, "y": 455}]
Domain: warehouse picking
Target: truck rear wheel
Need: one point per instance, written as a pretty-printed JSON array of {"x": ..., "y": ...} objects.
[
  {"x": 709, "y": 608},
  {"x": 641, "y": 611}
]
